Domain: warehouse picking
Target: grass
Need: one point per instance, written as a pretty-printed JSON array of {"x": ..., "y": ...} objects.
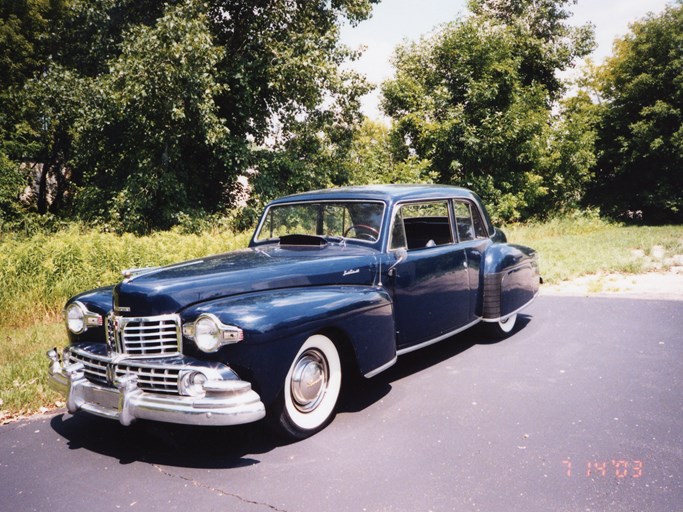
[
  {"x": 23, "y": 367},
  {"x": 573, "y": 247},
  {"x": 39, "y": 273}
]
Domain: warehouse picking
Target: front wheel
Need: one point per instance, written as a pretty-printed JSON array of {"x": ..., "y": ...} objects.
[
  {"x": 502, "y": 328},
  {"x": 310, "y": 390}
]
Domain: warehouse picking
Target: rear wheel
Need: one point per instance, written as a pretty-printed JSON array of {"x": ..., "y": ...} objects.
[
  {"x": 502, "y": 328},
  {"x": 311, "y": 389}
]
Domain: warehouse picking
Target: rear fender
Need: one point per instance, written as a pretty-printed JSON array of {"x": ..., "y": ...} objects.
[{"x": 511, "y": 280}]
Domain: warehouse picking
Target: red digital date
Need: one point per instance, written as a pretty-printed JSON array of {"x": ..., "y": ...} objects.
[{"x": 618, "y": 468}]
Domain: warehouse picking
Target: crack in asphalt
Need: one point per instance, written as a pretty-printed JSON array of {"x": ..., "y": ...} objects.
[{"x": 215, "y": 489}]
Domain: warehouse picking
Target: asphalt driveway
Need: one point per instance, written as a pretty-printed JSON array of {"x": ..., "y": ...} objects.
[{"x": 581, "y": 409}]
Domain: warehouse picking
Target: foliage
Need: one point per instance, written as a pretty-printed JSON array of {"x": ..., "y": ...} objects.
[
  {"x": 151, "y": 143},
  {"x": 474, "y": 99},
  {"x": 24, "y": 42},
  {"x": 40, "y": 272},
  {"x": 23, "y": 379},
  {"x": 25, "y": 46},
  {"x": 640, "y": 143},
  {"x": 11, "y": 184},
  {"x": 290, "y": 64},
  {"x": 90, "y": 33},
  {"x": 569, "y": 159},
  {"x": 137, "y": 112},
  {"x": 544, "y": 42},
  {"x": 371, "y": 160}
]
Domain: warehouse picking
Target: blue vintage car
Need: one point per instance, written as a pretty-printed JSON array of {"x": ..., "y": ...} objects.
[{"x": 340, "y": 279}]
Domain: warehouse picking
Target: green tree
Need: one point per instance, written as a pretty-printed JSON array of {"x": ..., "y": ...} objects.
[
  {"x": 475, "y": 99},
  {"x": 46, "y": 47},
  {"x": 143, "y": 111},
  {"x": 150, "y": 142},
  {"x": 90, "y": 33},
  {"x": 371, "y": 159},
  {"x": 640, "y": 141},
  {"x": 544, "y": 41},
  {"x": 26, "y": 29},
  {"x": 288, "y": 99},
  {"x": 11, "y": 184},
  {"x": 569, "y": 160}
]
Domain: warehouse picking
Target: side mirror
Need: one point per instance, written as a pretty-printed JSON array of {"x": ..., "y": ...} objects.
[{"x": 401, "y": 256}]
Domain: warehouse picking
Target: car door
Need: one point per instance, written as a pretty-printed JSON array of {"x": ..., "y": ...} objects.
[{"x": 431, "y": 286}]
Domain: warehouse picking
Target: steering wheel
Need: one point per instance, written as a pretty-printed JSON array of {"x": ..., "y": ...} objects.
[{"x": 363, "y": 231}]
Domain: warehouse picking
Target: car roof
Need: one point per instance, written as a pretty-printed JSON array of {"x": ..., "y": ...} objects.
[{"x": 386, "y": 193}]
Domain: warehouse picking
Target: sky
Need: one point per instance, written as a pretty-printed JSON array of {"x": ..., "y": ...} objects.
[{"x": 394, "y": 21}]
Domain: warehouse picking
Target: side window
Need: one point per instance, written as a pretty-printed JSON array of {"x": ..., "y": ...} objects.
[
  {"x": 480, "y": 230},
  {"x": 422, "y": 225},
  {"x": 468, "y": 222}
]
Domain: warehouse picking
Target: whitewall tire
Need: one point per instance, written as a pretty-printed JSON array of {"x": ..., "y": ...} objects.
[
  {"x": 311, "y": 389},
  {"x": 502, "y": 328}
]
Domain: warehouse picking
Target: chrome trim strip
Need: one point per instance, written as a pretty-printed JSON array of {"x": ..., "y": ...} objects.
[
  {"x": 130, "y": 272},
  {"x": 514, "y": 312},
  {"x": 381, "y": 368},
  {"x": 264, "y": 215},
  {"x": 451, "y": 219},
  {"x": 437, "y": 339}
]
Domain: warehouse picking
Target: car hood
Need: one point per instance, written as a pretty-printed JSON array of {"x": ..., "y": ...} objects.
[{"x": 175, "y": 287}]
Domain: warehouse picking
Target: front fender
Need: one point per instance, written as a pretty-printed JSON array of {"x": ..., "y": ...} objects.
[
  {"x": 511, "y": 280},
  {"x": 276, "y": 323},
  {"x": 98, "y": 301}
]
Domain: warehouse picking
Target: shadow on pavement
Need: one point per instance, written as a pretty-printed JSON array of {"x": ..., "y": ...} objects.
[{"x": 166, "y": 443}]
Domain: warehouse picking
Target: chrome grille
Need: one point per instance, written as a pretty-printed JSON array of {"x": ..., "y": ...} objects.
[
  {"x": 158, "y": 379},
  {"x": 95, "y": 369},
  {"x": 144, "y": 337}
]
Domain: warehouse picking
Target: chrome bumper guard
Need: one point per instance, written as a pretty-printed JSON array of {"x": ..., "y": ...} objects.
[{"x": 226, "y": 402}]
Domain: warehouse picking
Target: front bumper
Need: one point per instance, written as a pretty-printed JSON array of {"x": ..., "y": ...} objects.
[{"x": 226, "y": 402}]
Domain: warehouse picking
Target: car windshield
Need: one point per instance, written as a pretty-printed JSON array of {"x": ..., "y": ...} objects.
[{"x": 359, "y": 220}]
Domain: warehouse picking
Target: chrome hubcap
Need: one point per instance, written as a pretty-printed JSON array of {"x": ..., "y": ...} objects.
[{"x": 309, "y": 380}]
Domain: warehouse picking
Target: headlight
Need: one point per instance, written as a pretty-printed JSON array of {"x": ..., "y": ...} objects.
[
  {"x": 75, "y": 318},
  {"x": 209, "y": 333},
  {"x": 79, "y": 319}
]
